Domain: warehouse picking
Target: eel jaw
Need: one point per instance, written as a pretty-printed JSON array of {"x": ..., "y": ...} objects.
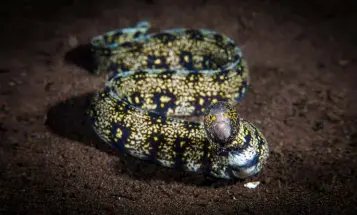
[
  {"x": 244, "y": 163},
  {"x": 245, "y": 172}
]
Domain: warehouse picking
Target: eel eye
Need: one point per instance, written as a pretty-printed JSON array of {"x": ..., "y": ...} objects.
[
  {"x": 209, "y": 119},
  {"x": 212, "y": 117}
]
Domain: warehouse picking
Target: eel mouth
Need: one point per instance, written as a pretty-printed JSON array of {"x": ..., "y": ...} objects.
[{"x": 243, "y": 173}]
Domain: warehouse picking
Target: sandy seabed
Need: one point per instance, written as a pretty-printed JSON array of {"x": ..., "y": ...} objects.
[{"x": 303, "y": 61}]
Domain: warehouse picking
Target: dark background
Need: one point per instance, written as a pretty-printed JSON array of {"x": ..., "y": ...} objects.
[{"x": 303, "y": 60}]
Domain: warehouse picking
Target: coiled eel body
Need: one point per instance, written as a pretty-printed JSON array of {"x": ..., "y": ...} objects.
[{"x": 159, "y": 77}]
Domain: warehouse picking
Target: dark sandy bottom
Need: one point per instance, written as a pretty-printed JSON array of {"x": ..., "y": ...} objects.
[{"x": 303, "y": 64}]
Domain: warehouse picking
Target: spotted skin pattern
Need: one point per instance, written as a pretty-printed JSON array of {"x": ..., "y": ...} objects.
[{"x": 179, "y": 72}]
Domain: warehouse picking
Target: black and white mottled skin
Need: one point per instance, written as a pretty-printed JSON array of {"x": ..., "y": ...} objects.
[{"x": 179, "y": 72}]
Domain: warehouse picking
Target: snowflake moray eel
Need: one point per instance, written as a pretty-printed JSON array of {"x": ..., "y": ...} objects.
[{"x": 158, "y": 78}]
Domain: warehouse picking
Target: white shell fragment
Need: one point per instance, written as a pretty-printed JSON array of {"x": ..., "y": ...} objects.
[{"x": 252, "y": 185}]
